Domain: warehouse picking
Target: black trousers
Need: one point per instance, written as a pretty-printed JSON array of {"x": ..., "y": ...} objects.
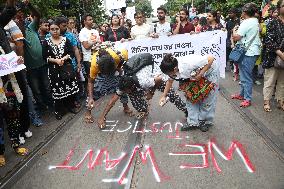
[
  {"x": 12, "y": 115},
  {"x": 24, "y": 113},
  {"x": 140, "y": 103},
  {"x": 68, "y": 102}
]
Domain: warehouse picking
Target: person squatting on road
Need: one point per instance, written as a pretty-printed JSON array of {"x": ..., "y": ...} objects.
[
  {"x": 140, "y": 79},
  {"x": 104, "y": 79},
  {"x": 143, "y": 78},
  {"x": 199, "y": 79}
]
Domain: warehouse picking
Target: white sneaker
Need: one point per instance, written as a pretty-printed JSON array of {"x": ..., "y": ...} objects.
[
  {"x": 28, "y": 134},
  {"x": 22, "y": 140},
  {"x": 257, "y": 82}
]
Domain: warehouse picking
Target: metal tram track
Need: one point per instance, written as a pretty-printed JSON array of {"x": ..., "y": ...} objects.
[
  {"x": 269, "y": 138},
  {"x": 23, "y": 166},
  {"x": 133, "y": 140},
  {"x": 137, "y": 139}
]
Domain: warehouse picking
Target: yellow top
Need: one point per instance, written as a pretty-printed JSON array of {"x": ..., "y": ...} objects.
[
  {"x": 94, "y": 70},
  {"x": 263, "y": 29}
]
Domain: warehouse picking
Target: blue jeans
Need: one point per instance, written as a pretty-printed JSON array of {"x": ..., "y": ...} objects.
[
  {"x": 39, "y": 83},
  {"x": 204, "y": 110},
  {"x": 246, "y": 76}
]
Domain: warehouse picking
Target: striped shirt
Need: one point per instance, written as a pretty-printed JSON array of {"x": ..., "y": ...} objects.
[{"x": 13, "y": 33}]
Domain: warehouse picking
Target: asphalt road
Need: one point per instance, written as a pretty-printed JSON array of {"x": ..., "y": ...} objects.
[{"x": 153, "y": 153}]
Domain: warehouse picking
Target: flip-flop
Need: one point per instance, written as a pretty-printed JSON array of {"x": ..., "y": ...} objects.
[
  {"x": 89, "y": 119},
  {"x": 102, "y": 125},
  {"x": 266, "y": 107},
  {"x": 245, "y": 103},
  {"x": 280, "y": 105},
  {"x": 237, "y": 97},
  {"x": 129, "y": 112},
  {"x": 141, "y": 115},
  {"x": 21, "y": 151},
  {"x": 2, "y": 161}
]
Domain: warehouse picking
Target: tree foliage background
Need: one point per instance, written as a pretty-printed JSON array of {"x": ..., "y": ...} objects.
[
  {"x": 71, "y": 8},
  {"x": 141, "y": 5},
  {"x": 202, "y": 5}
]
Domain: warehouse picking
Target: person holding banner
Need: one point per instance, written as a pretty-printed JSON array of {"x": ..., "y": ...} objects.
[
  {"x": 183, "y": 25},
  {"x": 116, "y": 32},
  {"x": 141, "y": 30},
  {"x": 199, "y": 78},
  {"x": 162, "y": 28},
  {"x": 213, "y": 22}
]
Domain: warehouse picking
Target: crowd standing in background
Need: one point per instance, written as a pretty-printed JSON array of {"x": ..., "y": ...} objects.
[{"x": 65, "y": 65}]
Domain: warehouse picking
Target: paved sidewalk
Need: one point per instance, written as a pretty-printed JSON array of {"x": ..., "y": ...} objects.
[{"x": 269, "y": 123}]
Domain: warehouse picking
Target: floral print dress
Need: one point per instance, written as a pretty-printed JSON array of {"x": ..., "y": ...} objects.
[
  {"x": 60, "y": 88},
  {"x": 272, "y": 42}
]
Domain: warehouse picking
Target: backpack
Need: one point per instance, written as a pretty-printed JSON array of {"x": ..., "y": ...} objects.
[{"x": 137, "y": 62}]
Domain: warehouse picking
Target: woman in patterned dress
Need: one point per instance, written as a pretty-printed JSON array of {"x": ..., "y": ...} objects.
[
  {"x": 57, "y": 50},
  {"x": 274, "y": 46}
]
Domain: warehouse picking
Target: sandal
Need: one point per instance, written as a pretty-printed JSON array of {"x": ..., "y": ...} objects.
[
  {"x": 141, "y": 115},
  {"x": 128, "y": 112},
  {"x": 280, "y": 104},
  {"x": 237, "y": 97},
  {"x": 102, "y": 124},
  {"x": 245, "y": 103},
  {"x": 21, "y": 151},
  {"x": 89, "y": 118},
  {"x": 266, "y": 107},
  {"x": 77, "y": 104},
  {"x": 2, "y": 161},
  {"x": 149, "y": 95}
]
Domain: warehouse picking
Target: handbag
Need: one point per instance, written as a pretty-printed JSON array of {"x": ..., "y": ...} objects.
[
  {"x": 196, "y": 91},
  {"x": 66, "y": 70},
  {"x": 238, "y": 52},
  {"x": 279, "y": 63}
]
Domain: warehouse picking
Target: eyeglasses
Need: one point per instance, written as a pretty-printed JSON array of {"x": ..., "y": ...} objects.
[{"x": 54, "y": 29}]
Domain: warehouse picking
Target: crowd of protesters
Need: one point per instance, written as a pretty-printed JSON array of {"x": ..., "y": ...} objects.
[{"x": 60, "y": 70}]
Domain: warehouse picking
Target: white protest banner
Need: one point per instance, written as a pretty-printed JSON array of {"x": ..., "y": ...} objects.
[
  {"x": 8, "y": 64},
  {"x": 212, "y": 43}
]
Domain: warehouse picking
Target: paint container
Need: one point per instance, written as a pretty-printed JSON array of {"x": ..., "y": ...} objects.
[{"x": 163, "y": 103}]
